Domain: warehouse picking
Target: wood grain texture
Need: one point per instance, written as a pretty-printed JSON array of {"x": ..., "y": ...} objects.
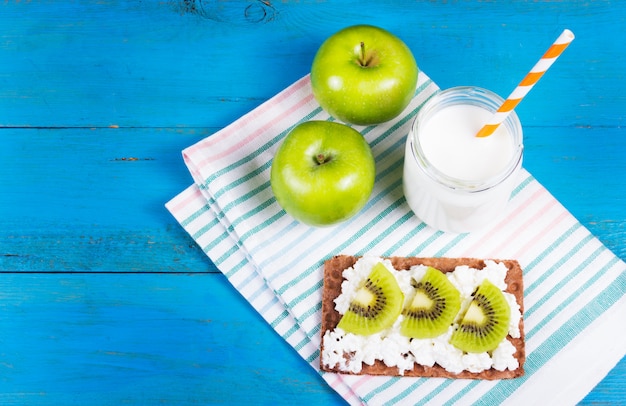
[{"x": 104, "y": 298}]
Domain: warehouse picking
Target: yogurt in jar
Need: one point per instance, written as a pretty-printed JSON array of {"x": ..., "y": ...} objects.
[{"x": 453, "y": 180}]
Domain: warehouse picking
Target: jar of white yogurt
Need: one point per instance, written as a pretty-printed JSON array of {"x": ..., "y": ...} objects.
[{"x": 453, "y": 180}]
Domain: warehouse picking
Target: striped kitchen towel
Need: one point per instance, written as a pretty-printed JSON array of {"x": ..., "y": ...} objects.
[{"x": 575, "y": 288}]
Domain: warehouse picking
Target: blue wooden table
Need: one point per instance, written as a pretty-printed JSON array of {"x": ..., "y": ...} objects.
[{"x": 104, "y": 299}]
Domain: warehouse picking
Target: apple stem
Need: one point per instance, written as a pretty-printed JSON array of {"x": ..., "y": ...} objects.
[
  {"x": 322, "y": 159},
  {"x": 367, "y": 59},
  {"x": 362, "y": 60}
]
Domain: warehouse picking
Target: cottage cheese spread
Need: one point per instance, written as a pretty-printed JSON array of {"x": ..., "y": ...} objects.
[{"x": 397, "y": 350}]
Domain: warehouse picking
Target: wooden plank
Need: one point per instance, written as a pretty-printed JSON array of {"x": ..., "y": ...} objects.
[
  {"x": 101, "y": 177},
  {"x": 78, "y": 339},
  {"x": 84, "y": 248},
  {"x": 132, "y": 64},
  {"x": 194, "y": 64}
]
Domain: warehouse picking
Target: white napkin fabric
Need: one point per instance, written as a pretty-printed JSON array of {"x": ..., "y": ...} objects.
[{"x": 575, "y": 288}]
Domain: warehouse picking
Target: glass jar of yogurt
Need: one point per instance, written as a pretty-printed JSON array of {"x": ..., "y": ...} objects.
[{"x": 453, "y": 180}]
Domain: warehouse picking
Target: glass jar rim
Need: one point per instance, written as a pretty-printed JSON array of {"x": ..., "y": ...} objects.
[{"x": 474, "y": 96}]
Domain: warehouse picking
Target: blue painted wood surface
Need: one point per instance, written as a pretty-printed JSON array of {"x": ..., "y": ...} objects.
[{"x": 105, "y": 300}]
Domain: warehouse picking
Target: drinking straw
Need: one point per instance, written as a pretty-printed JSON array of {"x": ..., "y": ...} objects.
[{"x": 555, "y": 50}]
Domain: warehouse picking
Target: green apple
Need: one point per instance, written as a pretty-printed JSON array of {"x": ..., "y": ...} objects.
[
  {"x": 323, "y": 173},
  {"x": 364, "y": 75}
]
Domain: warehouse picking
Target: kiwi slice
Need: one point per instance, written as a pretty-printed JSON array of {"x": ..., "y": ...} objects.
[
  {"x": 433, "y": 307},
  {"x": 377, "y": 304},
  {"x": 485, "y": 323}
]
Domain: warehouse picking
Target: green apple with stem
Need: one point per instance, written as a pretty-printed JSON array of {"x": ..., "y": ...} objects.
[
  {"x": 323, "y": 172},
  {"x": 364, "y": 75}
]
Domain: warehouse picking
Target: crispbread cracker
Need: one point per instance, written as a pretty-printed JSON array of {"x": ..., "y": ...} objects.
[{"x": 333, "y": 277}]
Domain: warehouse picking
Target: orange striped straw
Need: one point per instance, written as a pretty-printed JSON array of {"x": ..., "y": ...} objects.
[{"x": 555, "y": 50}]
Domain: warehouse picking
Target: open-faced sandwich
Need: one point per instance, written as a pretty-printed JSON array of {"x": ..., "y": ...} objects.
[{"x": 427, "y": 317}]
